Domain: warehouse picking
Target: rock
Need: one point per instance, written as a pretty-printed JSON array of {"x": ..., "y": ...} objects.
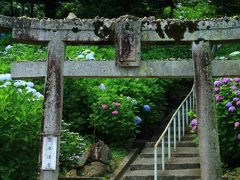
[
  {"x": 100, "y": 152},
  {"x": 82, "y": 159},
  {"x": 94, "y": 169},
  {"x": 72, "y": 173},
  {"x": 71, "y": 16},
  {"x": 112, "y": 165}
]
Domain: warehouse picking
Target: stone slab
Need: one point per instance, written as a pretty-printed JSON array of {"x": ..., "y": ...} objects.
[
  {"x": 101, "y": 30},
  {"x": 107, "y": 69}
]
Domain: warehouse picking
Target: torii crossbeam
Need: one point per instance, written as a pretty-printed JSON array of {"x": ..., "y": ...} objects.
[{"x": 128, "y": 33}]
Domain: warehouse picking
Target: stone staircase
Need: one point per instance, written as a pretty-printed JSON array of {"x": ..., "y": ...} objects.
[{"x": 184, "y": 162}]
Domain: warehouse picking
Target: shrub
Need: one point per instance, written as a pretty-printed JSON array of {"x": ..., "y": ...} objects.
[
  {"x": 20, "y": 119},
  {"x": 20, "y": 127},
  {"x": 113, "y": 116},
  {"x": 227, "y": 94}
]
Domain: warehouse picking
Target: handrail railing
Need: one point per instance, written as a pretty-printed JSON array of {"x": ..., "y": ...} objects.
[{"x": 187, "y": 104}]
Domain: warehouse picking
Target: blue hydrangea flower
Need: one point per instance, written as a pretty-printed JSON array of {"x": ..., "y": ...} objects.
[
  {"x": 8, "y": 47},
  {"x": 137, "y": 120},
  {"x": 228, "y": 105},
  {"x": 4, "y": 77},
  {"x": 38, "y": 95},
  {"x": 31, "y": 90},
  {"x": 134, "y": 101},
  {"x": 29, "y": 84},
  {"x": 102, "y": 87},
  {"x": 17, "y": 84},
  {"x": 146, "y": 107},
  {"x": 129, "y": 98},
  {"x": 90, "y": 56}
]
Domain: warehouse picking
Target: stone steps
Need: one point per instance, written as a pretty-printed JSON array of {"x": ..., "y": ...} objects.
[
  {"x": 186, "y": 143},
  {"x": 166, "y": 175},
  {"x": 174, "y": 163},
  {"x": 180, "y": 152},
  {"x": 184, "y": 162}
]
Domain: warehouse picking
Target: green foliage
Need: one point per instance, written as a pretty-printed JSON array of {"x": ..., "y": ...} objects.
[
  {"x": 20, "y": 133},
  {"x": 226, "y": 49},
  {"x": 231, "y": 174},
  {"x": 72, "y": 147},
  {"x": 166, "y": 51},
  {"x": 20, "y": 127},
  {"x": 119, "y": 127},
  {"x": 194, "y": 10}
]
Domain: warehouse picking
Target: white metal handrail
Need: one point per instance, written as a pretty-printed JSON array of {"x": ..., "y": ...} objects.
[{"x": 187, "y": 104}]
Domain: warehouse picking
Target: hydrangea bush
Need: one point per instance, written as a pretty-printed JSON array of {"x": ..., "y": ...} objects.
[
  {"x": 227, "y": 95},
  {"x": 20, "y": 127},
  {"x": 114, "y": 116}
]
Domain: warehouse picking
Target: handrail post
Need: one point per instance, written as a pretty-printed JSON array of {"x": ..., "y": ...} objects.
[
  {"x": 169, "y": 143},
  {"x": 174, "y": 133},
  {"x": 194, "y": 99},
  {"x": 179, "y": 127},
  {"x": 155, "y": 163},
  {"x": 183, "y": 120},
  {"x": 163, "y": 154},
  {"x": 187, "y": 111},
  {"x": 190, "y": 102}
]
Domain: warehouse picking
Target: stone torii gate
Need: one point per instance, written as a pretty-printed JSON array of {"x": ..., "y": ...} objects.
[{"x": 128, "y": 33}]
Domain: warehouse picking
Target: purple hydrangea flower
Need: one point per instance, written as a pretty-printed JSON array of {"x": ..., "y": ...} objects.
[
  {"x": 236, "y": 99},
  {"x": 225, "y": 80},
  {"x": 218, "y": 98},
  {"x": 228, "y": 105},
  {"x": 102, "y": 87},
  {"x": 194, "y": 124},
  {"x": 137, "y": 120},
  {"x": 236, "y": 124},
  {"x": 232, "y": 109},
  {"x": 217, "y": 83},
  {"x": 238, "y": 92},
  {"x": 216, "y": 90},
  {"x": 237, "y": 79},
  {"x": 233, "y": 88},
  {"x": 146, "y": 108}
]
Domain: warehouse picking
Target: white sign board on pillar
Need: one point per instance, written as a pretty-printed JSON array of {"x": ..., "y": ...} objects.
[{"x": 49, "y": 153}]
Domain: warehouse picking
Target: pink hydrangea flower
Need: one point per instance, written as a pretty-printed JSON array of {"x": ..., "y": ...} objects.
[
  {"x": 115, "y": 113},
  {"x": 104, "y": 106},
  {"x": 238, "y": 103},
  {"x": 236, "y": 124},
  {"x": 218, "y": 98},
  {"x": 216, "y": 90},
  {"x": 117, "y": 104}
]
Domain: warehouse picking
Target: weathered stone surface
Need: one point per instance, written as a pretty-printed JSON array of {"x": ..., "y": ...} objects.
[
  {"x": 100, "y": 152},
  {"x": 82, "y": 159},
  {"x": 128, "y": 43},
  {"x": 94, "y": 169},
  {"x": 207, "y": 123},
  {"x": 52, "y": 115},
  {"x": 160, "y": 69},
  {"x": 72, "y": 173},
  {"x": 100, "y": 30}
]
